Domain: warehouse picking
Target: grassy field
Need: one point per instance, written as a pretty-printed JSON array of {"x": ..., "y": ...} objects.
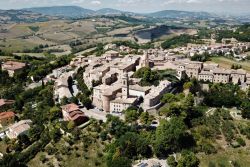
[
  {"x": 227, "y": 63},
  {"x": 3, "y": 147},
  {"x": 14, "y": 45},
  {"x": 242, "y": 156},
  {"x": 39, "y": 55}
]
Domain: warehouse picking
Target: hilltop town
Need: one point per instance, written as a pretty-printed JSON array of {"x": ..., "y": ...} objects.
[
  {"x": 119, "y": 82},
  {"x": 119, "y": 89}
]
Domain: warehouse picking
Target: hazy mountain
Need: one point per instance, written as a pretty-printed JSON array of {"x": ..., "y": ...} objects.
[
  {"x": 64, "y": 11},
  {"x": 179, "y": 14},
  {"x": 109, "y": 11},
  {"x": 21, "y": 16},
  {"x": 76, "y": 12}
]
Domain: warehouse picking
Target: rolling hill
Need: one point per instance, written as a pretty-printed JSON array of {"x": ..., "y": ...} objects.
[
  {"x": 63, "y": 11},
  {"x": 109, "y": 11},
  {"x": 21, "y": 16},
  {"x": 77, "y": 12},
  {"x": 173, "y": 14}
]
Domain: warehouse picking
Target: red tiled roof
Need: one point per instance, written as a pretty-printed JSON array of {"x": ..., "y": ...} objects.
[
  {"x": 8, "y": 114},
  {"x": 70, "y": 107},
  {"x": 4, "y": 102},
  {"x": 12, "y": 65},
  {"x": 74, "y": 115}
]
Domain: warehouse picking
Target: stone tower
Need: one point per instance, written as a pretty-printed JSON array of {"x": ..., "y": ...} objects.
[
  {"x": 145, "y": 60},
  {"x": 125, "y": 86}
]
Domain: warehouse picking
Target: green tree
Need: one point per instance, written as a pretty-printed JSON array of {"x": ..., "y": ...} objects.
[
  {"x": 245, "y": 106},
  {"x": 55, "y": 134},
  {"x": 188, "y": 159},
  {"x": 171, "y": 161},
  {"x": 128, "y": 146},
  {"x": 148, "y": 77},
  {"x": 131, "y": 115},
  {"x": 187, "y": 85},
  {"x": 86, "y": 101},
  {"x": 55, "y": 113},
  {"x": 169, "y": 136},
  {"x": 71, "y": 125},
  {"x": 168, "y": 98},
  {"x": 146, "y": 119}
]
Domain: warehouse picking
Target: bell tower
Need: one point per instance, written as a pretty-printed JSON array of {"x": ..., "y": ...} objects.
[
  {"x": 146, "y": 59},
  {"x": 125, "y": 86}
]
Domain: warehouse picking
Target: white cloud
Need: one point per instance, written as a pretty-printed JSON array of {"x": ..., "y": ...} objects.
[
  {"x": 78, "y": 1},
  {"x": 96, "y": 2},
  {"x": 181, "y": 1}
]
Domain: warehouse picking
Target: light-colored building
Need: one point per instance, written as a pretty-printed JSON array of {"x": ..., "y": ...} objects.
[
  {"x": 192, "y": 71},
  {"x": 152, "y": 99},
  {"x": 20, "y": 128},
  {"x": 221, "y": 76},
  {"x": 206, "y": 76},
  {"x": 138, "y": 91},
  {"x": 61, "y": 88},
  {"x": 229, "y": 41},
  {"x": 238, "y": 76},
  {"x": 7, "y": 118},
  {"x": 120, "y": 104},
  {"x": 111, "y": 54}
]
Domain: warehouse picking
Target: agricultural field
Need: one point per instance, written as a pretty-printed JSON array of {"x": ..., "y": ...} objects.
[
  {"x": 227, "y": 63},
  {"x": 224, "y": 158},
  {"x": 39, "y": 41},
  {"x": 38, "y": 55},
  {"x": 14, "y": 45}
]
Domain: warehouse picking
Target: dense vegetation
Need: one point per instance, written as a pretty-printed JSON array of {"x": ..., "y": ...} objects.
[
  {"x": 178, "y": 41},
  {"x": 148, "y": 77},
  {"x": 202, "y": 57},
  {"x": 241, "y": 34},
  {"x": 83, "y": 97}
]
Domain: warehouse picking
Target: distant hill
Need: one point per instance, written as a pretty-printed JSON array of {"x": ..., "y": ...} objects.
[
  {"x": 64, "y": 11},
  {"x": 77, "y": 12},
  {"x": 21, "y": 16},
  {"x": 74, "y": 11},
  {"x": 172, "y": 14},
  {"x": 109, "y": 11}
]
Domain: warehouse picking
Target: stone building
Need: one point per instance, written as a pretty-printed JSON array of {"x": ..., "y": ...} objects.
[
  {"x": 17, "y": 129},
  {"x": 206, "y": 76},
  {"x": 12, "y": 67},
  {"x": 72, "y": 112},
  {"x": 238, "y": 76},
  {"x": 221, "y": 76}
]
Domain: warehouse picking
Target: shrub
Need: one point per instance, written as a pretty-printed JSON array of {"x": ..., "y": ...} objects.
[
  {"x": 43, "y": 158},
  {"x": 241, "y": 141}
]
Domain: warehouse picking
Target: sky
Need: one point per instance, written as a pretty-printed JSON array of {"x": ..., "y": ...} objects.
[{"x": 139, "y": 6}]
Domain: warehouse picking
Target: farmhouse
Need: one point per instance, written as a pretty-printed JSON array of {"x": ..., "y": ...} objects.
[
  {"x": 71, "y": 112},
  {"x": 12, "y": 67},
  {"x": 20, "y": 128}
]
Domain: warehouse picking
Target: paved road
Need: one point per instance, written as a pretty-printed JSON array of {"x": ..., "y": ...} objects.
[
  {"x": 99, "y": 115},
  {"x": 95, "y": 114},
  {"x": 210, "y": 112}
]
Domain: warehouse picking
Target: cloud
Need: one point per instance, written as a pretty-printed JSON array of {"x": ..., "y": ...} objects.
[
  {"x": 78, "y": 1},
  {"x": 181, "y": 1},
  {"x": 96, "y": 2}
]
